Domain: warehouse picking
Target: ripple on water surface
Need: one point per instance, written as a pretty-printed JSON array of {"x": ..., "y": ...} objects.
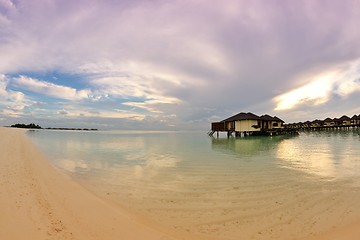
[{"x": 254, "y": 188}]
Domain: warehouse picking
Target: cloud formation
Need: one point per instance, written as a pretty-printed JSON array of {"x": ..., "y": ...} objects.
[
  {"x": 50, "y": 89},
  {"x": 178, "y": 63},
  {"x": 12, "y": 102},
  {"x": 342, "y": 82}
]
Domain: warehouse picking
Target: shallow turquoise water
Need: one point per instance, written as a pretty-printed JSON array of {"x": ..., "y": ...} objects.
[{"x": 256, "y": 187}]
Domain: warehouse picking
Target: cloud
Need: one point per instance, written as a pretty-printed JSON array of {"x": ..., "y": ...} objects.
[
  {"x": 3, "y": 85},
  {"x": 12, "y": 102},
  {"x": 314, "y": 93},
  {"x": 186, "y": 58},
  {"x": 78, "y": 111},
  {"x": 63, "y": 112},
  {"x": 39, "y": 104},
  {"x": 341, "y": 81},
  {"x": 148, "y": 84},
  {"x": 50, "y": 89},
  {"x": 349, "y": 79},
  {"x": 151, "y": 105}
]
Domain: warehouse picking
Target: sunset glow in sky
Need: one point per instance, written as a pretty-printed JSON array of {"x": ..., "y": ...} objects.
[{"x": 131, "y": 64}]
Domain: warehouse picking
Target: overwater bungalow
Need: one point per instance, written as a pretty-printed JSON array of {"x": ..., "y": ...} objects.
[
  {"x": 354, "y": 120},
  {"x": 244, "y": 124},
  {"x": 345, "y": 120},
  {"x": 337, "y": 122},
  {"x": 328, "y": 122},
  {"x": 317, "y": 123},
  {"x": 269, "y": 122},
  {"x": 247, "y": 124},
  {"x": 241, "y": 122},
  {"x": 307, "y": 124},
  {"x": 290, "y": 125},
  {"x": 278, "y": 123}
]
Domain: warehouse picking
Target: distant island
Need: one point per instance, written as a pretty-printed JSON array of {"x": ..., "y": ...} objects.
[
  {"x": 35, "y": 126},
  {"x": 30, "y": 126}
]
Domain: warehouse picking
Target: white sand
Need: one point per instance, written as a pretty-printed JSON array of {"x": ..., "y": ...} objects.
[{"x": 39, "y": 202}]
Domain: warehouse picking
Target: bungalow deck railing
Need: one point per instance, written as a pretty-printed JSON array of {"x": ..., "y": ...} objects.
[{"x": 221, "y": 127}]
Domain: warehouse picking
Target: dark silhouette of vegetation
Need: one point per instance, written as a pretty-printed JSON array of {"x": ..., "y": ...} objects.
[
  {"x": 34, "y": 126},
  {"x": 31, "y": 126},
  {"x": 74, "y": 129}
]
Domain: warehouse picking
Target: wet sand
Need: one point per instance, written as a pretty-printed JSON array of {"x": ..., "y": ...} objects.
[{"x": 39, "y": 202}]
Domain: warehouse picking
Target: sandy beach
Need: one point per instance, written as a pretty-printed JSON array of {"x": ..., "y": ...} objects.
[{"x": 40, "y": 202}]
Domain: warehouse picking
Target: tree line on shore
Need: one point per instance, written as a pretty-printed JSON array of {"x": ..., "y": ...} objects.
[
  {"x": 31, "y": 126},
  {"x": 35, "y": 126}
]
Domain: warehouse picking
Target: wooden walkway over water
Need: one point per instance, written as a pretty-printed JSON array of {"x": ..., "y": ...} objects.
[
  {"x": 267, "y": 132},
  {"x": 284, "y": 131},
  {"x": 324, "y": 128}
]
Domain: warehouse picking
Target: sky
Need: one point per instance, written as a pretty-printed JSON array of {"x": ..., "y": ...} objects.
[{"x": 175, "y": 65}]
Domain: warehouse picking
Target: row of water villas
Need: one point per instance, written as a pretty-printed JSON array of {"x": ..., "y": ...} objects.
[
  {"x": 245, "y": 124},
  {"x": 328, "y": 123}
]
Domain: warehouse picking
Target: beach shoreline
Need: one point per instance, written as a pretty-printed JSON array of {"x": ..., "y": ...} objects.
[{"x": 40, "y": 202}]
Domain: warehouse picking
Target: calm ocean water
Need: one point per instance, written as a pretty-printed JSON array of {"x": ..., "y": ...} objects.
[{"x": 256, "y": 188}]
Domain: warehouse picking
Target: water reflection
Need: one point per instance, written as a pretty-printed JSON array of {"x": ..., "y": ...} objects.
[
  {"x": 322, "y": 154},
  {"x": 248, "y": 146},
  {"x": 73, "y": 165},
  {"x": 327, "y": 154},
  {"x": 97, "y": 154},
  {"x": 300, "y": 156},
  {"x": 194, "y": 182},
  {"x": 152, "y": 164}
]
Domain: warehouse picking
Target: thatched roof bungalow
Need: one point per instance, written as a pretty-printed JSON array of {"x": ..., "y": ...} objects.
[
  {"x": 355, "y": 120},
  {"x": 344, "y": 120},
  {"x": 244, "y": 122},
  {"x": 278, "y": 123},
  {"x": 329, "y": 122},
  {"x": 247, "y": 122},
  {"x": 269, "y": 122},
  {"x": 337, "y": 122},
  {"x": 317, "y": 123}
]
